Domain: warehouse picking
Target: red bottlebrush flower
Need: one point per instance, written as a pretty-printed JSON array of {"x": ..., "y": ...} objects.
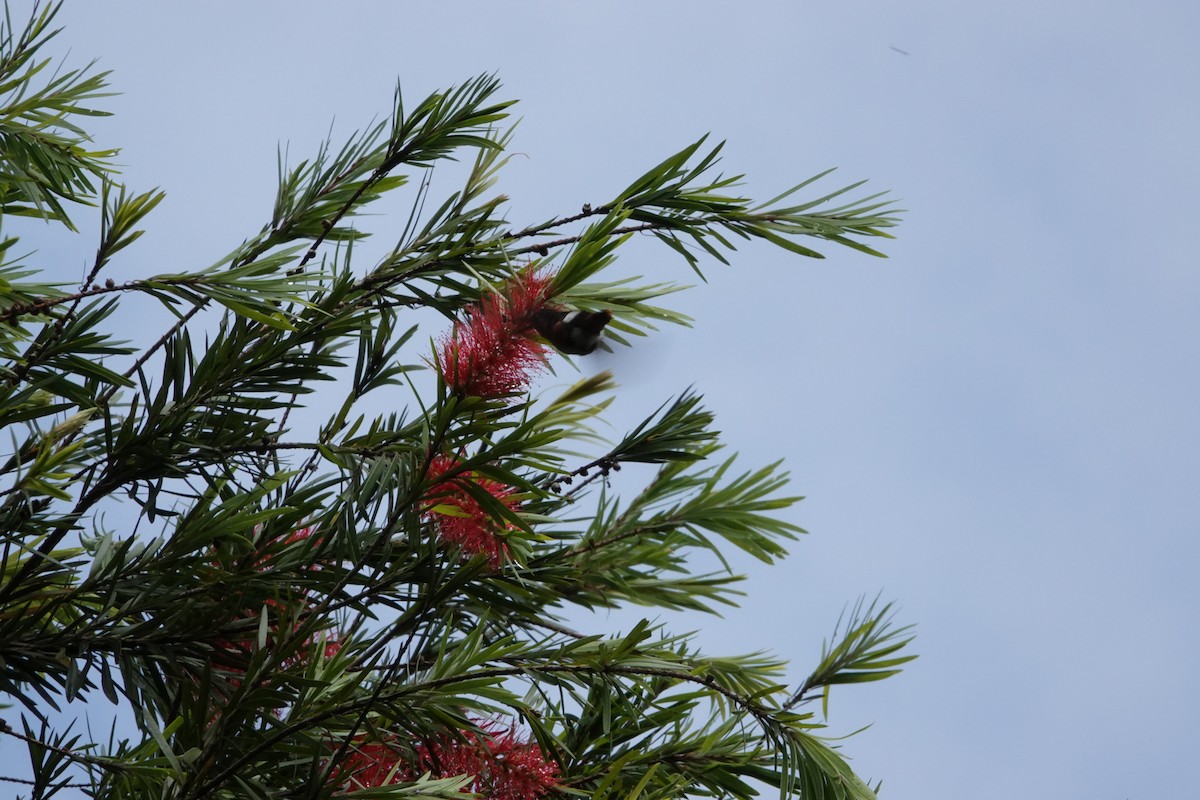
[
  {"x": 372, "y": 764},
  {"x": 504, "y": 766},
  {"x": 514, "y": 769},
  {"x": 491, "y": 353},
  {"x": 525, "y": 294},
  {"x": 460, "y": 518},
  {"x": 298, "y": 535},
  {"x": 229, "y": 654}
]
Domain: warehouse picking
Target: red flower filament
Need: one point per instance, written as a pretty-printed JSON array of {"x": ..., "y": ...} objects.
[
  {"x": 492, "y": 353},
  {"x": 230, "y": 654},
  {"x": 504, "y": 766},
  {"x": 461, "y": 520}
]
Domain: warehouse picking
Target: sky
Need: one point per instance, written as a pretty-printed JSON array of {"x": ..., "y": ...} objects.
[{"x": 995, "y": 428}]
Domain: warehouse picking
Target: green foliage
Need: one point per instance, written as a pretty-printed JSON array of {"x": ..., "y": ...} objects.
[
  {"x": 46, "y": 155},
  {"x": 865, "y": 649},
  {"x": 264, "y": 594}
]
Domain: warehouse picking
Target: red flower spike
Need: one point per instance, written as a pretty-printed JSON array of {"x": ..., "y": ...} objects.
[
  {"x": 229, "y": 654},
  {"x": 526, "y": 294},
  {"x": 331, "y": 646},
  {"x": 298, "y": 535},
  {"x": 471, "y": 527},
  {"x": 504, "y": 766},
  {"x": 491, "y": 353},
  {"x": 515, "y": 769},
  {"x": 373, "y": 764}
]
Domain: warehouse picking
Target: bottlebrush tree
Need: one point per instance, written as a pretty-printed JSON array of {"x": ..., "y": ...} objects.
[{"x": 204, "y": 594}]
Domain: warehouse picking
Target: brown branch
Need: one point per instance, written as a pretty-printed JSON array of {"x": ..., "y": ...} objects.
[
  {"x": 544, "y": 247},
  {"x": 664, "y": 525},
  {"x": 533, "y": 230},
  {"x": 10, "y": 314},
  {"x": 71, "y": 755}
]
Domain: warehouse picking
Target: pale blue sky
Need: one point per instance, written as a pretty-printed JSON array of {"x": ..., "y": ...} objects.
[{"x": 996, "y": 427}]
